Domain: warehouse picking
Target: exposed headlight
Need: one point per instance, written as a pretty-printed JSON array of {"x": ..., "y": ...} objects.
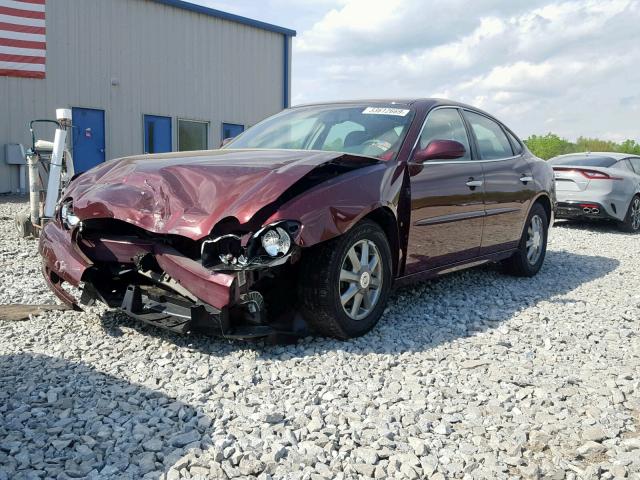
[
  {"x": 69, "y": 220},
  {"x": 276, "y": 241}
]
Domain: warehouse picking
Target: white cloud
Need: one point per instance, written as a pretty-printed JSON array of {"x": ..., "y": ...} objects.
[
  {"x": 359, "y": 18},
  {"x": 568, "y": 66}
]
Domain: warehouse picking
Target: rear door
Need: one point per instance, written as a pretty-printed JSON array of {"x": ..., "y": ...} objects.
[
  {"x": 447, "y": 207},
  {"x": 508, "y": 183}
]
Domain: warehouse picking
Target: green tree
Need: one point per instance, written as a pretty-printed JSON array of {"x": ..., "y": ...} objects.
[
  {"x": 630, "y": 146},
  {"x": 585, "y": 144},
  {"x": 549, "y": 145}
]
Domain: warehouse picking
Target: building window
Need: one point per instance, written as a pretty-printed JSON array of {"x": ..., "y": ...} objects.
[
  {"x": 231, "y": 130},
  {"x": 192, "y": 135}
]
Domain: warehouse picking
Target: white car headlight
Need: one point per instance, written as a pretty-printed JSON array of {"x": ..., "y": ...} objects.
[
  {"x": 69, "y": 220},
  {"x": 276, "y": 241}
]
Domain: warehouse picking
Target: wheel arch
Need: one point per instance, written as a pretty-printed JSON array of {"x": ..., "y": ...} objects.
[
  {"x": 385, "y": 218},
  {"x": 544, "y": 200},
  {"x": 333, "y": 208}
]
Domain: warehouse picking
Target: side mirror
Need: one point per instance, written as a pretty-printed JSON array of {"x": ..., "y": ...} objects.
[
  {"x": 225, "y": 141},
  {"x": 440, "y": 150}
]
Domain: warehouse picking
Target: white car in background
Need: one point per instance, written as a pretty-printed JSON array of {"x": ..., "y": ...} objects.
[{"x": 599, "y": 185}]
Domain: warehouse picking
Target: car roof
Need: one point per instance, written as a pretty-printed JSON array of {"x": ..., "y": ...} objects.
[
  {"x": 398, "y": 101},
  {"x": 611, "y": 155},
  {"x": 425, "y": 103}
]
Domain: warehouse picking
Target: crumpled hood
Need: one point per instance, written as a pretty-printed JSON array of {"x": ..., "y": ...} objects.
[{"x": 188, "y": 193}]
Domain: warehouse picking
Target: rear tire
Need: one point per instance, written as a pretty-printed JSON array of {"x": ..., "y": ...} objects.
[
  {"x": 529, "y": 257},
  {"x": 631, "y": 222},
  {"x": 328, "y": 276}
]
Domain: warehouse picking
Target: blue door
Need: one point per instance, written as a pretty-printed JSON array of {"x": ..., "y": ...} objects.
[
  {"x": 230, "y": 130},
  {"x": 157, "y": 134},
  {"x": 88, "y": 138}
]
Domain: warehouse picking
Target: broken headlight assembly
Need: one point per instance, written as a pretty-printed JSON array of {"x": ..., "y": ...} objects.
[
  {"x": 272, "y": 245},
  {"x": 276, "y": 241},
  {"x": 68, "y": 219}
]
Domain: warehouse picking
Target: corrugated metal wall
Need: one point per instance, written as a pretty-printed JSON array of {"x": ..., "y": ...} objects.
[{"x": 166, "y": 61}]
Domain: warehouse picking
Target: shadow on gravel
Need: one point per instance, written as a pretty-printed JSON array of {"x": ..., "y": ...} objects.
[
  {"x": 423, "y": 315},
  {"x": 58, "y": 416},
  {"x": 596, "y": 226}
]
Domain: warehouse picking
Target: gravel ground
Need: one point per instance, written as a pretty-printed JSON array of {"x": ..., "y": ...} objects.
[{"x": 476, "y": 375}]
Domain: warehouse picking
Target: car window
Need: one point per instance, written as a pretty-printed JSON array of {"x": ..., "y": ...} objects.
[
  {"x": 624, "y": 165},
  {"x": 635, "y": 163},
  {"x": 582, "y": 160},
  {"x": 515, "y": 143},
  {"x": 445, "y": 124},
  {"x": 335, "y": 140},
  {"x": 492, "y": 142}
]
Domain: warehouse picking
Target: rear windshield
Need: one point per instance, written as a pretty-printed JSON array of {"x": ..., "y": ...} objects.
[{"x": 583, "y": 161}]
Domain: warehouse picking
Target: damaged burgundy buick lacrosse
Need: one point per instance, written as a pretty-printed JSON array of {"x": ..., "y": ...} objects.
[{"x": 308, "y": 218}]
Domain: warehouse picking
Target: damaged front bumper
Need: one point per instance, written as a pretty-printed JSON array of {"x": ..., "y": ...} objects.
[{"x": 151, "y": 281}]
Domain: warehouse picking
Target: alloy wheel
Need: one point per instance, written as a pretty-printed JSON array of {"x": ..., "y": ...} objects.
[
  {"x": 635, "y": 213},
  {"x": 535, "y": 238},
  {"x": 360, "y": 282}
]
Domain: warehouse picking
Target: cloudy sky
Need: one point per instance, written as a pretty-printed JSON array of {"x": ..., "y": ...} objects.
[{"x": 570, "y": 67}]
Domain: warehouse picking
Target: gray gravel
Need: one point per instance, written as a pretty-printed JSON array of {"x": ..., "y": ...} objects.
[{"x": 477, "y": 375}]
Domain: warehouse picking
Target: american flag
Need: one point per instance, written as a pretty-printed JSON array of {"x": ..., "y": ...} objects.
[{"x": 23, "y": 46}]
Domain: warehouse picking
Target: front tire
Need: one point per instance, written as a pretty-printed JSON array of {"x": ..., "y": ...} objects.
[
  {"x": 631, "y": 223},
  {"x": 345, "y": 283},
  {"x": 528, "y": 259}
]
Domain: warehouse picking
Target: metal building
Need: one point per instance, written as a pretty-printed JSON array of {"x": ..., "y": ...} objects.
[{"x": 140, "y": 76}]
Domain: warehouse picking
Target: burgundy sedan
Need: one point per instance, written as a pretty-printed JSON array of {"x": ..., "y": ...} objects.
[{"x": 307, "y": 219}]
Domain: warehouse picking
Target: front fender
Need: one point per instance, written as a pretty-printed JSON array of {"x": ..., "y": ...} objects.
[{"x": 333, "y": 207}]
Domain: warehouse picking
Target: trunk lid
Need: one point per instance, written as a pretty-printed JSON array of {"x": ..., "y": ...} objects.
[{"x": 569, "y": 179}]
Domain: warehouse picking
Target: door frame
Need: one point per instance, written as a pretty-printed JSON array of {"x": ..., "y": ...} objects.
[
  {"x": 105, "y": 129},
  {"x": 171, "y": 120},
  {"x": 474, "y": 160}
]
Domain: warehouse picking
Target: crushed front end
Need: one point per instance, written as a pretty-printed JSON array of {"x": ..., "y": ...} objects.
[{"x": 223, "y": 284}]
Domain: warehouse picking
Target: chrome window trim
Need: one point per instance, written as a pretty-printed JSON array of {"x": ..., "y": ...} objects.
[
  {"x": 502, "y": 128},
  {"x": 478, "y": 160},
  {"x": 440, "y": 162}
]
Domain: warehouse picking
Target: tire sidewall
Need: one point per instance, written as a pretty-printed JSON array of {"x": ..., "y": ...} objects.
[
  {"x": 370, "y": 231},
  {"x": 628, "y": 221},
  {"x": 532, "y": 269}
]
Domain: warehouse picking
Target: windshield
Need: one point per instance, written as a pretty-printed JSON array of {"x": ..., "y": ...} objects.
[
  {"x": 583, "y": 161},
  {"x": 372, "y": 130}
]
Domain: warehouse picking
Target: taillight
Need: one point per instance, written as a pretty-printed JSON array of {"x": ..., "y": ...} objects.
[
  {"x": 590, "y": 174},
  {"x": 593, "y": 175}
]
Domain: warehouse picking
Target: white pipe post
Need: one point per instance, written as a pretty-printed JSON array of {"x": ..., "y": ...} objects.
[
  {"x": 55, "y": 172},
  {"x": 34, "y": 188}
]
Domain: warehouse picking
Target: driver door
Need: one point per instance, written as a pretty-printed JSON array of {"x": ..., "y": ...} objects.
[{"x": 447, "y": 199}]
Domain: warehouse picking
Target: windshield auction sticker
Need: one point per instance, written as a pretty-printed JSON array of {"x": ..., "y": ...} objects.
[{"x": 399, "y": 112}]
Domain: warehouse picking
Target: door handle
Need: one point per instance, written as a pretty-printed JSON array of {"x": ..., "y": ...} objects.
[
  {"x": 526, "y": 179},
  {"x": 474, "y": 183}
]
